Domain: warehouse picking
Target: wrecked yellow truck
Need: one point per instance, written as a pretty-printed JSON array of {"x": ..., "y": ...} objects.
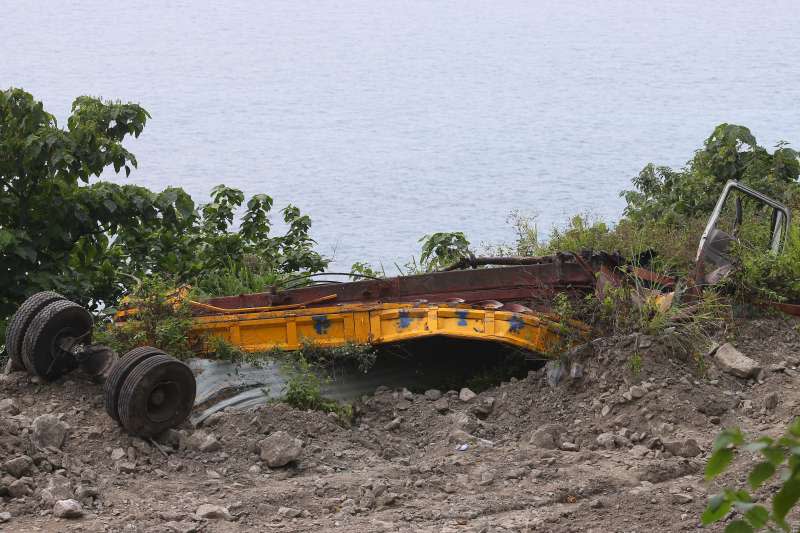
[{"x": 503, "y": 301}]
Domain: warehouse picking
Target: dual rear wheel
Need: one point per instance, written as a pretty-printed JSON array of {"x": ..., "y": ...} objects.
[{"x": 146, "y": 391}]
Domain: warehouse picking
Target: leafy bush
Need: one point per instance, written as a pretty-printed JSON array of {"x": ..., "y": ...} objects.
[
  {"x": 163, "y": 320},
  {"x": 92, "y": 241},
  {"x": 442, "y": 249},
  {"x": 730, "y": 153},
  {"x": 778, "y": 456},
  {"x": 763, "y": 276}
]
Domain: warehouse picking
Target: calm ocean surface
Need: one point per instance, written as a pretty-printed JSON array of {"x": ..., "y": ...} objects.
[{"x": 388, "y": 120}]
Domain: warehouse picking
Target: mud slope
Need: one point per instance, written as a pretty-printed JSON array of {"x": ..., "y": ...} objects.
[{"x": 618, "y": 444}]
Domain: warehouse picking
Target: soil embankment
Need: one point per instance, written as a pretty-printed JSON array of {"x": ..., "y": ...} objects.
[{"x": 619, "y": 444}]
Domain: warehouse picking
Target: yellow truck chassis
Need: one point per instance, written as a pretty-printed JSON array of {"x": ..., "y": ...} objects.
[{"x": 381, "y": 324}]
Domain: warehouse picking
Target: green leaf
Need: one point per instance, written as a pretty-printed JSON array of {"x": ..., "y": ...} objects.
[
  {"x": 728, "y": 437},
  {"x": 773, "y": 454},
  {"x": 718, "y": 507},
  {"x": 738, "y": 526},
  {"x": 758, "y": 516},
  {"x": 6, "y": 239},
  {"x": 718, "y": 461},
  {"x": 794, "y": 427},
  {"x": 760, "y": 473},
  {"x": 785, "y": 499}
]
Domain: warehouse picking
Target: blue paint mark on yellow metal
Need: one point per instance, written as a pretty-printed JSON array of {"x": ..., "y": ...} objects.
[
  {"x": 516, "y": 324},
  {"x": 321, "y": 324},
  {"x": 404, "y": 319},
  {"x": 462, "y": 318}
]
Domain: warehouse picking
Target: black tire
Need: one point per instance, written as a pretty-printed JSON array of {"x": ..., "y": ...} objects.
[
  {"x": 158, "y": 395},
  {"x": 18, "y": 325},
  {"x": 41, "y": 353},
  {"x": 121, "y": 370}
]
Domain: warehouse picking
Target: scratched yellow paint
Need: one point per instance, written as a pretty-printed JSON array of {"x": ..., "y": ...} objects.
[{"x": 380, "y": 324}]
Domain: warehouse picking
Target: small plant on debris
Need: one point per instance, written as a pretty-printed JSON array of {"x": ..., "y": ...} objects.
[
  {"x": 360, "y": 270},
  {"x": 303, "y": 388},
  {"x": 779, "y": 456},
  {"x": 763, "y": 276},
  {"x": 162, "y": 319},
  {"x": 682, "y": 323},
  {"x": 332, "y": 358}
]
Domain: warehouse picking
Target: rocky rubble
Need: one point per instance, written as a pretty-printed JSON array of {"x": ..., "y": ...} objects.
[{"x": 601, "y": 445}]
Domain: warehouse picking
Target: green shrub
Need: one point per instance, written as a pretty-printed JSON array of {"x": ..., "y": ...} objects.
[
  {"x": 163, "y": 320},
  {"x": 777, "y": 457},
  {"x": 730, "y": 153},
  {"x": 62, "y": 229},
  {"x": 303, "y": 388},
  {"x": 761, "y": 275}
]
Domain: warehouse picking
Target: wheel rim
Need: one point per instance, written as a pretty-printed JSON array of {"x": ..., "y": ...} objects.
[{"x": 162, "y": 400}]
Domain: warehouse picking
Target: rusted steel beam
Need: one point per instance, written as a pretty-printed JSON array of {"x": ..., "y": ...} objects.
[{"x": 528, "y": 282}]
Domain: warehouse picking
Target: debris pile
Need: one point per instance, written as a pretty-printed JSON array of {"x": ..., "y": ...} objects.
[{"x": 608, "y": 446}]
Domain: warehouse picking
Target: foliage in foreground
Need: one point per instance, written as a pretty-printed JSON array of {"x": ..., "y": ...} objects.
[{"x": 778, "y": 457}]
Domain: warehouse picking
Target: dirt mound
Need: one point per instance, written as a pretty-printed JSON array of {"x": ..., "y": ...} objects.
[{"x": 613, "y": 437}]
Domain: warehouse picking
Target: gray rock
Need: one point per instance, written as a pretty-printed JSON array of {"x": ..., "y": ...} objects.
[
  {"x": 734, "y": 362},
  {"x": 606, "y": 440},
  {"x": 212, "y": 512},
  {"x": 555, "y": 372},
  {"x": 5, "y": 517},
  {"x": 433, "y": 394},
  {"x": 67, "y": 509},
  {"x": 684, "y": 448},
  {"x": 460, "y": 436},
  {"x": 58, "y": 488},
  {"x": 9, "y": 407},
  {"x": 682, "y": 498},
  {"x": 407, "y": 394},
  {"x": 18, "y": 466},
  {"x": 569, "y": 447},
  {"x": 126, "y": 467},
  {"x": 280, "y": 449},
  {"x": 171, "y": 437},
  {"x": 21, "y": 488},
  {"x": 182, "y": 526},
  {"x": 606, "y": 410},
  {"x": 771, "y": 401},
  {"x": 84, "y": 492},
  {"x": 466, "y": 395},
  {"x": 639, "y": 451},
  {"x": 441, "y": 405},
  {"x": 213, "y": 419},
  {"x": 203, "y": 442},
  {"x": 483, "y": 409},
  {"x": 117, "y": 454},
  {"x": 394, "y": 424},
  {"x": 48, "y": 432},
  {"x": 637, "y": 392},
  {"x": 289, "y": 512},
  {"x": 547, "y": 436}
]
